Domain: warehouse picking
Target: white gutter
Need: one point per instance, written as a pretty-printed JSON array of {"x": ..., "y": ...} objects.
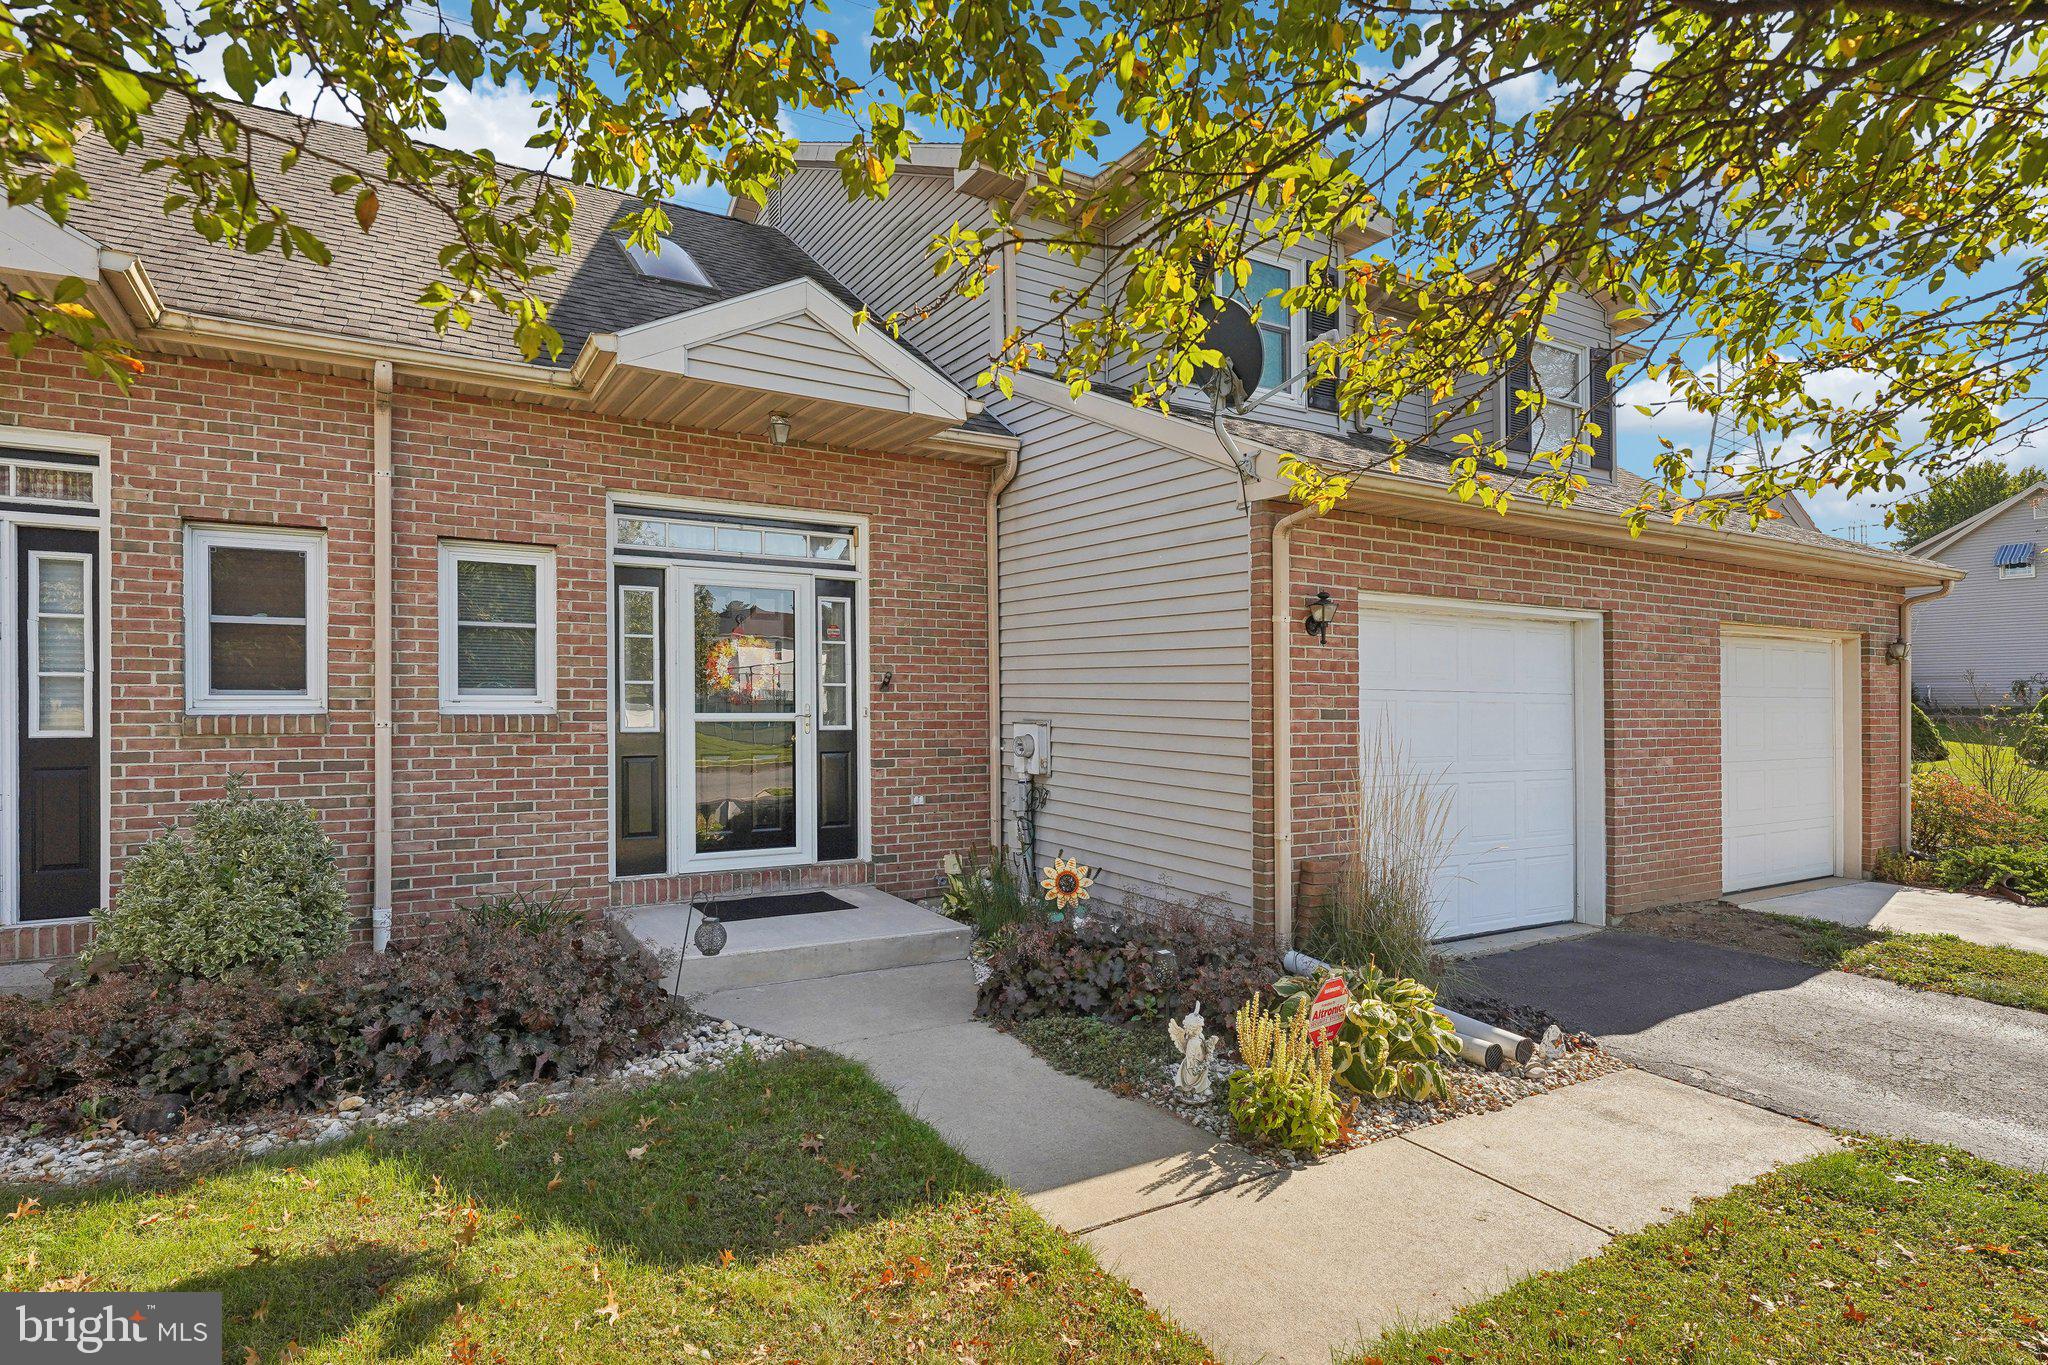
[
  {"x": 1283, "y": 729},
  {"x": 1906, "y": 606},
  {"x": 382, "y": 826}
]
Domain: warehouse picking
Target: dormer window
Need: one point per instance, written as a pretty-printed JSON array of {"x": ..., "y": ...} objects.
[{"x": 666, "y": 261}]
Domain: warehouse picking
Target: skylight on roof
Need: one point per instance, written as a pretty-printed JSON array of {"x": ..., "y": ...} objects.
[{"x": 667, "y": 261}]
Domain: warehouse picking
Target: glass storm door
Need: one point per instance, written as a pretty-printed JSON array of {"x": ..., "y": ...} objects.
[{"x": 746, "y": 716}]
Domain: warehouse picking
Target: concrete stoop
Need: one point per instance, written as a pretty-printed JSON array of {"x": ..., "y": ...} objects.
[{"x": 877, "y": 931}]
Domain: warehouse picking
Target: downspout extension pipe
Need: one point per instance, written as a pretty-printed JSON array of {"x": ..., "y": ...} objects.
[
  {"x": 382, "y": 825},
  {"x": 1906, "y": 605},
  {"x": 1283, "y": 728}
]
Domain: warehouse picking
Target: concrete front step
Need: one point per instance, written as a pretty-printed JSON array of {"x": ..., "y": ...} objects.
[{"x": 877, "y": 931}]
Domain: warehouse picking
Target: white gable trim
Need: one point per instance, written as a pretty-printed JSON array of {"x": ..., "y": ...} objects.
[
  {"x": 35, "y": 244},
  {"x": 1956, "y": 532},
  {"x": 667, "y": 343}
]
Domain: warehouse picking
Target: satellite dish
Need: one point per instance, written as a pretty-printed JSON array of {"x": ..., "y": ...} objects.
[{"x": 1235, "y": 336}]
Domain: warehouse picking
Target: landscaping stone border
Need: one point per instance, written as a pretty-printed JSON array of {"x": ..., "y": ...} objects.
[{"x": 74, "y": 1159}]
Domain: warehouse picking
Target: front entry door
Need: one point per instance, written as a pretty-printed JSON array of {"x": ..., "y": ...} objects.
[
  {"x": 58, "y": 721},
  {"x": 747, "y": 717}
]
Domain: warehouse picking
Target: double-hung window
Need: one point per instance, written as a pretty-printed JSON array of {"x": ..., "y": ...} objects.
[
  {"x": 497, "y": 628},
  {"x": 255, "y": 621},
  {"x": 1560, "y": 372},
  {"x": 1261, "y": 293}
]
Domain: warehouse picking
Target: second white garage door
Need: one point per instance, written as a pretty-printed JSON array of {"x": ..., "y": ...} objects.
[
  {"x": 1781, "y": 728},
  {"x": 1485, "y": 704}
]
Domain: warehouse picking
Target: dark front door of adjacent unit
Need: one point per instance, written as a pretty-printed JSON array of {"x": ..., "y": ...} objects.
[
  {"x": 58, "y": 720},
  {"x": 640, "y": 628},
  {"x": 838, "y": 723}
]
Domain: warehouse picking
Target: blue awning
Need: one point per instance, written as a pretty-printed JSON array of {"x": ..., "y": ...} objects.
[{"x": 2014, "y": 556}]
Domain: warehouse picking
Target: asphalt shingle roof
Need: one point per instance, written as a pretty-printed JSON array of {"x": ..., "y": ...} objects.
[{"x": 369, "y": 291}]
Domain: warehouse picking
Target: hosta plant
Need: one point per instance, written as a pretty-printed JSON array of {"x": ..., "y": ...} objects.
[
  {"x": 1392, "y": 1042},
  {"x": 1282, "y": 1097}
]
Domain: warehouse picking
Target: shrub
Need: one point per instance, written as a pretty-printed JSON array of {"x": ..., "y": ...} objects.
[
  {"x": 522, "y": 911},
  {"x": 1990, "y": 867},
  {"x": 1119, "y": 1056},
  {"x": 470, "y": 1009},
  {"x": 1379, "y": 906},
  {"x": 1392, "y": 1041},
  {"x": 1928, "y": 746},
  {"x": 1282, "y": 1097},
  {"x": 253, "y": 881},
  {"x": 984, "y": 890},
  {"x": 1951, "y": 813},
  {"x": 1093, "y": 965},
  {"x": 1890, "y": 865}
]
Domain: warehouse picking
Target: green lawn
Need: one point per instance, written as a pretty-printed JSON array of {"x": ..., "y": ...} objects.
[
  {"x": 1995, "y": 768},
  {"x": 785, "y": 1209},
  {"x": 1892, "y": 1251}
]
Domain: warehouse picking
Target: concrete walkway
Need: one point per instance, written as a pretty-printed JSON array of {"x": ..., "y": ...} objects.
[
  {"x": 1843, "y": 1050},
  {"x": 1909, "y": 910},
  {"x": 1286, "y": 1266}
]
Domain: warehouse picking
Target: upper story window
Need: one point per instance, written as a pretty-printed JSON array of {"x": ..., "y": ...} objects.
[
  {"x": 2015, "y": 561},
  {"x": 497, "y": 628},
  {"x": 1277, "y": 324},
  {"x": 1560, "y": 372},
  {"x": 255, "y": 621},
  {"x": 666, "y": 261}
]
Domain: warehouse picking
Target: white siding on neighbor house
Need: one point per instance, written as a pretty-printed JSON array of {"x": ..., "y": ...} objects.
[
  {"x": 1126, "y": 626},
  {"x": 1989, "y": 632},
  {"x": 880, "y": 249}
]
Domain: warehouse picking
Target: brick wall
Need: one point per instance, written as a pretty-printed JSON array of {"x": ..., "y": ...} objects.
[
  {"x": 1663, "y": 616},
  {"x": 488, "y": 802}
]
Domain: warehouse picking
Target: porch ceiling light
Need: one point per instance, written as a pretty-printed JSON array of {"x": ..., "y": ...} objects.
[
  {"x": 1317, "y": 621},
  {"x": 778, "y": 429}
]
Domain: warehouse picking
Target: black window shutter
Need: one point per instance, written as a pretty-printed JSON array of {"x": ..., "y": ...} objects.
[
  {"x": 1322, "y": 396},
  {"x": 1513, "y": 382},
  {"x": 1600, "y": 408}
]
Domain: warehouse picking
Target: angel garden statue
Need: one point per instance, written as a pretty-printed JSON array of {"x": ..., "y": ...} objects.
[{"x": 1196, "y": 1050}]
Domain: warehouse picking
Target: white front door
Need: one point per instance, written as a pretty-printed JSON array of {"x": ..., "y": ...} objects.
[
  {"x": 1484, "y": 706},
  {"x": 744, "y": 715},
  {"x": 1780, "y": 760}
]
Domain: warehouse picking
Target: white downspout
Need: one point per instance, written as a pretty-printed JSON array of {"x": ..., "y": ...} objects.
[
  {"x": 995, "y": 660},
  {"x": 381, "y": 823},
  {"x": 1283, "y": 728},
  {"x": 1906, "y": 606}
]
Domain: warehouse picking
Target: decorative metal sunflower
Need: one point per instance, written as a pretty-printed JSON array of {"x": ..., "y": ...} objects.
[{"x": 1066, "y": 883}]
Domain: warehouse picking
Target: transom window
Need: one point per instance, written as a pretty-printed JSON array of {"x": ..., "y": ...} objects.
[
  {"x": 1260, "y": 293},
  {"x": 712, "y": 537},
  {"x": 497, "y": 628},
  {"x": 255, "y": 621},
  {"x": 1560, "y": 372},
  {"x": 55, "y": 484}
]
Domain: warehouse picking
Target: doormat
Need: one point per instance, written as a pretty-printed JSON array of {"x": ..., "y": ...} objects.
[{"x": 772, "y": 907}]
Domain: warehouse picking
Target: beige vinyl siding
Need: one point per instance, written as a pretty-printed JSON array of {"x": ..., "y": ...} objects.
[
  {"x": 828, "y": 367},
  {"x": 880, "y": 249},
  {"x": 1126, "y": 625},
  {"x": 1989, "y": 632}
]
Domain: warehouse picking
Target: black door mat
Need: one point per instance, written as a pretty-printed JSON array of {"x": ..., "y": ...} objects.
[{"x": 772, "y": 907}]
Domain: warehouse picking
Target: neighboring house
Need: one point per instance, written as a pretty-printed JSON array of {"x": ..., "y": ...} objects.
[
  {"x": 1986, "y": 641},
  {"x": 1623, "y": 722},
  {"x": 700, "y": 606}
]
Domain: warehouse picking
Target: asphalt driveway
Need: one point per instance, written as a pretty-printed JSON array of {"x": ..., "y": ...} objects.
[{"x": 1843, "y": 1050}]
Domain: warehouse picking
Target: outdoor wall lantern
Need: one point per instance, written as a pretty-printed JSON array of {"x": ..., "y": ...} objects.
[
  {"x": 1317, "y": 621},
  {"x": 778, "y": 429},
  {"x": 1896, "y": 651}
]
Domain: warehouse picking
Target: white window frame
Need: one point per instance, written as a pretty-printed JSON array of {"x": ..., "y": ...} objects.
[
  {"x": 541, "y": 701},
  {"x": 200, "y": 698},
  {"x": 1293, "y": 393},
  {"x": 1577, "y": 403},
  {"x": 845, "y": 646},
  {"x": 35, "y": 615},
  {"x": 655, "y": 595},
  {"x": 2016, "y": 571}
]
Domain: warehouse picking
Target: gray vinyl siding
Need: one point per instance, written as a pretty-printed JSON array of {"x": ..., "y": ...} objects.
[
  {"x": 1126, "y": 626},
  {"x": 1989, "y": 632}
]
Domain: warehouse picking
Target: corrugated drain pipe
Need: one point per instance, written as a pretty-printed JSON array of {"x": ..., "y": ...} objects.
[
  {"x": 1283, "y": 728},
  {"x": 1906, "y": 606},
  {"x": 381, "y": 824}
]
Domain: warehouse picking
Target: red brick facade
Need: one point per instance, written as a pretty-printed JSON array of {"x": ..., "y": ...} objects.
[
  {"x": 489, "y": 803},
  {"x": 1663, "y": 617}
]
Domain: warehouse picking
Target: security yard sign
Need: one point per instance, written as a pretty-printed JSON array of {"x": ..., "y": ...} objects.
[{"x": 1326, "y": 1011}]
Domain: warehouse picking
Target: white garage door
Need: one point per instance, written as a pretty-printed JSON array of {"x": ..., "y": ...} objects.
[
  {"x": 1780, "y": 760},
  {"x": 1483, "y": 704}
]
